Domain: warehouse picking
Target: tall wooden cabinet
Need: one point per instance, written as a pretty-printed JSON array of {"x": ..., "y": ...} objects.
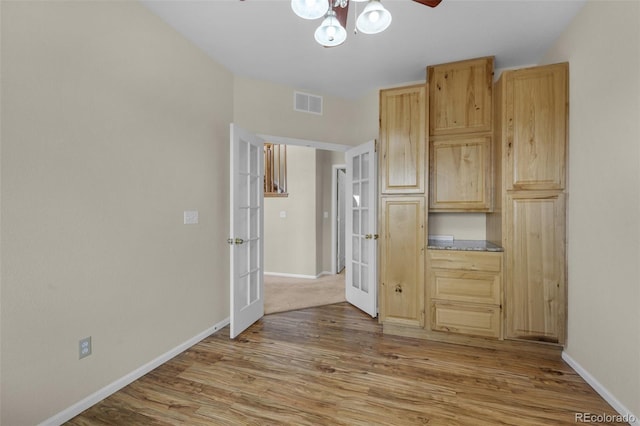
[
  {"x": 462, "y": 143},
  {"x": 531, "y": 127},
  {"x": 403, "y": 218}
]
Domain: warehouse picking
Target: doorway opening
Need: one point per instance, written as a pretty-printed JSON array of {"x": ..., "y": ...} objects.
[
  {"x": 248, "y": 228},
  {"x": 300, "y": 233}
]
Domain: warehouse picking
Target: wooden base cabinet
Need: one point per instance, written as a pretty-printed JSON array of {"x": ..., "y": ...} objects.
[
  {"x": 465, "y": 292},
  {"x": 535, "y": 265},
  {"x": 402, "y": 247}
]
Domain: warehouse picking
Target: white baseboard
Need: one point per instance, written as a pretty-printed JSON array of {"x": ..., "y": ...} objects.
[
  {"x": 101, "y": 394},
  {"x": 602, "y": 391},
  {"x": 309, "y": 277}
]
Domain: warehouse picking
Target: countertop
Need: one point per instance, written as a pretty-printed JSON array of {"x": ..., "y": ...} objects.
[{"x": 464, "y": 245}]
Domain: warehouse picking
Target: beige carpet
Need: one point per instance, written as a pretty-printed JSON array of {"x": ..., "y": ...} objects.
[{"x": 288, "y": 294}]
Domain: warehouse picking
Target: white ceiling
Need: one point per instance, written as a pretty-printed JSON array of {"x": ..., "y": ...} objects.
[{"x": 265, "y": 40}]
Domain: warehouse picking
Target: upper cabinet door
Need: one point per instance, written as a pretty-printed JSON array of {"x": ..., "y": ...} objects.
[
  {"x": 460, "y": 173},
  {"x": 403, "y": 140},
  {"x": 460, "y": 97},
  {"x": 535, "y": 125}
]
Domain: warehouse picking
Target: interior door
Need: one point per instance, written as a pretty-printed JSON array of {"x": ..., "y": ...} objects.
[
  {"x": 246, "y": 222},
  {"x": 361, "y": 224}
]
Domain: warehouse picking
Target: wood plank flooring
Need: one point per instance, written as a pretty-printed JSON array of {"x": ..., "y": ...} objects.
[{"x": 332, "y": 365}]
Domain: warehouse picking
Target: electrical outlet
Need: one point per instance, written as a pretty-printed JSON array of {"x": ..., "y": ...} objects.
[{"x": 85, "y": 347}]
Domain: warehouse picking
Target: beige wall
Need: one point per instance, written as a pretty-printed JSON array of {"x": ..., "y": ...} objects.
[
  {"x": 602, "y": 46},
  {"x": 462, "y": 226},
  {"x": 290, "y": 242},
  {"x": 300, "y": 244},
  {"x": 267, "y": 108},
  {"x": 112, "y": 126}
]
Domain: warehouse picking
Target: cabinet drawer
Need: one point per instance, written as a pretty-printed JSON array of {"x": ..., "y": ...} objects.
[
  {"x": 463, "y": 286},
  {"x": 465, "y": 260},
  {"x": 466, "y": 319}
]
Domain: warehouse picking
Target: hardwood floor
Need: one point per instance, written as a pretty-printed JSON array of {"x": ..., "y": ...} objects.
[{"x": 332, "y": 365}]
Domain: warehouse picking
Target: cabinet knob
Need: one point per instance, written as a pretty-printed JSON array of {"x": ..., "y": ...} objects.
[{"x": 398, "y": 288}]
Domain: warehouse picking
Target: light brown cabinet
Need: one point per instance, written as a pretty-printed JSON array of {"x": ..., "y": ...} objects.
[
  {"x": 460, "y": 123},
  {"x": 402, "y": 205},
  {"x": 458, "y": 173},
  {"x": 531, "y": 123},
  {"x": 403, "y": 140},
  {"x": 535, "y": 117},
  {"x": 535, "y": 265},
  {"x": 465, "y": 292},
  {"x": 460, "y": 97},
  {"x": 402, "y": 244}
]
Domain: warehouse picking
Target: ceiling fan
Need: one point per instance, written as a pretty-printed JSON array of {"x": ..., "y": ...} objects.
[{"x": 331, "y": 32}]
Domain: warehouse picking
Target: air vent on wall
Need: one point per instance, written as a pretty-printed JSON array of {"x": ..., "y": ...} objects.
[{"x": 304, "y": 102}]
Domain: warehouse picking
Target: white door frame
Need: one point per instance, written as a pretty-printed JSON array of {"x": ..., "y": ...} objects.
[{"x": 334, "y": 216}]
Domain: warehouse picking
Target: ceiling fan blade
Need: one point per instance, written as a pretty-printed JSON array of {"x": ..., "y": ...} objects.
[
  {"x": 341, "y": 14},
  {"x": 430, "y": 3}
]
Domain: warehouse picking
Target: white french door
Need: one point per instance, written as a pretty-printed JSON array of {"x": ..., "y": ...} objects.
[
  {"x": 361, "y": 223},
  {"x": 246, "y": 222}
]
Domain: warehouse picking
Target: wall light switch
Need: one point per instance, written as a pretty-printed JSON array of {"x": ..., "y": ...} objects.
[
  {"x": 283, "y": 214},
  {"x": 326, "y": 215},
  {"x": 190, "y": 217}
]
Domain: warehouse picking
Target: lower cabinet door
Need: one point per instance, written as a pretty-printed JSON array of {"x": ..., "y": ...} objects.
[
  {"x": 402, "y": 250},
  {"x": 535, "y": 290},
  {"x": 474, "y": 320}
]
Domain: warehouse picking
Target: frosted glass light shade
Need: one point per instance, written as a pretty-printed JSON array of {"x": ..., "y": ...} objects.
[
  {"x": 310, "y": 9},
  {"x": 330, "y": 32},
  {"x": 374, "y": 18}
]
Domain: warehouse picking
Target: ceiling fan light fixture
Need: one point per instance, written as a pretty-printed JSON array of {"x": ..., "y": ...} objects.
[
  {"x": 310, "y": 9},
  {"x": 374, "y": 18},
  {"x": 330, "y": 33}
]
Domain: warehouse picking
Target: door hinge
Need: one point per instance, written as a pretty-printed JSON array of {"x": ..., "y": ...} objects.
[{"x": 375, "y": 145}]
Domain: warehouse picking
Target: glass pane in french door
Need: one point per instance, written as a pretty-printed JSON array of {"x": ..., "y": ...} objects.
[{"x": 360, "y": 229}]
